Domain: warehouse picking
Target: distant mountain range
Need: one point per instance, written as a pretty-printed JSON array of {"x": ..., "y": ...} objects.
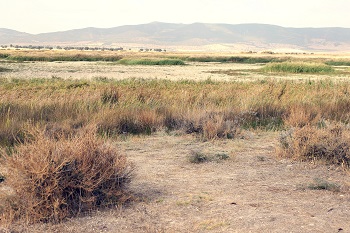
[{"x": 196, "y": 36}]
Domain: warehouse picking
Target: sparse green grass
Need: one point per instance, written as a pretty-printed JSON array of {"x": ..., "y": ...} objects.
[
  {"x": 152, "y": 62},
  {"x": 298, "y": 67},
  {"x": 321, "y": 184},
  {"x": 201, "y": 157},
  {"x": 338, "y": 63}
]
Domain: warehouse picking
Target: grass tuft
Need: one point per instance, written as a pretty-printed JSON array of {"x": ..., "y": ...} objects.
[
  {"x": 221, "y": 156},
  {"x": 320, "y": 184},
  {"x": 198, "y": 157}
]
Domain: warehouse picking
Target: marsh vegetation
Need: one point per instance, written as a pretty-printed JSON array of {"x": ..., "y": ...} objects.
[{"x": 70, "y": 124}]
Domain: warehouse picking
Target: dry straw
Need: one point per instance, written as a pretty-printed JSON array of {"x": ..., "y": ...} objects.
[{"x": 54, "y": 178}]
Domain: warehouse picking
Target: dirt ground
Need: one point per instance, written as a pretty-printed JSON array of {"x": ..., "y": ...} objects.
[
  {"x": 252, "y": 191},
  {"x": 192, "y": 71}
]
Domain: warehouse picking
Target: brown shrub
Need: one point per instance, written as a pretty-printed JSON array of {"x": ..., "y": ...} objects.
[
  {"x": 54, "y": 179},
  {"x": 216, "y": 126},
  {"x": 301, "y": 115},
  {"x": 330, "y": 144}
]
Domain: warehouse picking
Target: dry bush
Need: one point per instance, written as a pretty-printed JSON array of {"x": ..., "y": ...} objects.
[
  {"x": 58, "y": 178},
  {"x": 216, "y": 126},
  {"x": 310, "y": 143}
]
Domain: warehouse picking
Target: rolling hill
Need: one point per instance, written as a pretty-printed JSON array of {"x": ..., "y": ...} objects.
[{"x": 195, "y": 36}]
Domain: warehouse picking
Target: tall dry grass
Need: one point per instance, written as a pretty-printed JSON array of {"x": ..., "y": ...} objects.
[{"x": 209, "y": 109}]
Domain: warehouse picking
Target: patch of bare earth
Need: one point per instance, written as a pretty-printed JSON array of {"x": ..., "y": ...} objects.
[
  {"x": 193, "y": 71},
  {"x": 253, "y": 191}
]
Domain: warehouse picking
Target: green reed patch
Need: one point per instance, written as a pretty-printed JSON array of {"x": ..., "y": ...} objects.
[
  {"x": 151, "y": 62},
  {"x": 298, "y": 67}
]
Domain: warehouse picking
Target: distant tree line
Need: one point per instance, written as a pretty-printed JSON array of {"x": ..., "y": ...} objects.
[
  {"x": 155, "y": 50},
  {"x": 86, "y": 48}
]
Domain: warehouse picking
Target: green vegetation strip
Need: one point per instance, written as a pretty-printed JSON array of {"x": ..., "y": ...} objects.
[
  {"x": 234, "y": 59},
  {"x": 298, "y": 67},
  {"x": 338, "y": 63},
  {"x": 150, "y": 62},
  {"x": 77, "y": 57}
]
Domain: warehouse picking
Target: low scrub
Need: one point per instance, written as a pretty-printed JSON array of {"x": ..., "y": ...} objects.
[
  {"x": 337, "y": 63},
  {"x": 235, "y": 59},
  {"x": 150, "y": 62},
  {"x": 330, "y": 144},
  {"x": 55, "y": 178},
  {"x": 297, "y": 67}
]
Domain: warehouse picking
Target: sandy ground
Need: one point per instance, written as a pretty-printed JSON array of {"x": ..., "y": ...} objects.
[
  {"x": 253, "y": 191},
  {"x": 192, "y": 71}
]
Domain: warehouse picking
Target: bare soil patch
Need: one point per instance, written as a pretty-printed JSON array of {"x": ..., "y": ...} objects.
[
  {"x": 193, "y": 71},
  {"x": 253, "y": 191}
]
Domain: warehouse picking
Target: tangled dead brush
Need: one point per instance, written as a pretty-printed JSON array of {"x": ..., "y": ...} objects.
[
  {"x": 330, "y": 144},
  {"x": 55, "y": 178}
]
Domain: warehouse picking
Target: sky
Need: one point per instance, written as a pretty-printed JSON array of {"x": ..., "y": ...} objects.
[{"x": 39, "y": 16}]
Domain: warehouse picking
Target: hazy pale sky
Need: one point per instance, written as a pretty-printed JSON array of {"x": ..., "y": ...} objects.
[{"x": 37, "y": 16}]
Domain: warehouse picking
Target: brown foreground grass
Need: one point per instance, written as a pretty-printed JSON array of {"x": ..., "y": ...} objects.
[
  {"x": 210, "y": 109},
  {"x": 54, "y": 177}
]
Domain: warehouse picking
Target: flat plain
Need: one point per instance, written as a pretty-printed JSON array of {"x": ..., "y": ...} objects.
[{"x": 246, "y": 186}]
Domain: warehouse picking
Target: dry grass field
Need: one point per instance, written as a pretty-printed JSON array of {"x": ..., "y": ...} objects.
[{"x": 221, "y": 143}]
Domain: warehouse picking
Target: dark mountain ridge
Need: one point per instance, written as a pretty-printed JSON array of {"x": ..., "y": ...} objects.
[{"x": 196, "y": 34}]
